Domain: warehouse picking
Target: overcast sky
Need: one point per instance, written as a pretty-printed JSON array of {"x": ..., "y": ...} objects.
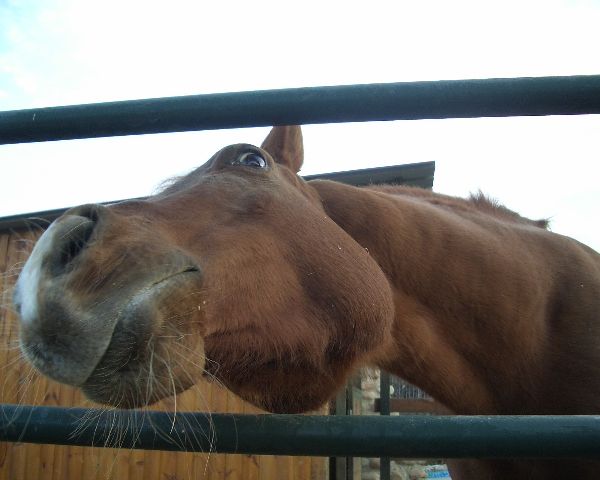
[{"x": 60, "y": 52}]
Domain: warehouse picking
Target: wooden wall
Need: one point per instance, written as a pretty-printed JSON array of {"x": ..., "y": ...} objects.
[{"x": 21, "y": 385}]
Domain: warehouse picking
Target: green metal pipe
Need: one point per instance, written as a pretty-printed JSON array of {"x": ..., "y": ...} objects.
[
  {"x": 405, "y": 436},
  {"x": 349, "y": 103}
]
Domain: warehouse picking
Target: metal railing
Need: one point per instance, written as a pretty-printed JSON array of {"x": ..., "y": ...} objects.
[
  {"x": 502, "y": 97},
  {"x": 407, "y": 436},
  {"x": 416, "y": 436}
]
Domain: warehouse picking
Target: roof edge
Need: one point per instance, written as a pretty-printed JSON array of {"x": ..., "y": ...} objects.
[{"x": 415, "y": 174}]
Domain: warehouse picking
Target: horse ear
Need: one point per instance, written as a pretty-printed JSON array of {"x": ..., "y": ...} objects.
[{"x": 284, "y": 144}]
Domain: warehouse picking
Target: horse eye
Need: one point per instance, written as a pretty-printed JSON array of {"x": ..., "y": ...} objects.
[{"x": 252, "y": 159}]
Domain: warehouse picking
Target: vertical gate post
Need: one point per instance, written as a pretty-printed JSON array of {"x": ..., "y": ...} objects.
[{"x": 384, "y": 409}]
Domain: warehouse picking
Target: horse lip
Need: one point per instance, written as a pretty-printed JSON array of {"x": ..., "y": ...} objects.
[
  {"x": 189, "y": 269},
  {"x": 139, "y": 300},
  {"x": 116, "y": 362}
]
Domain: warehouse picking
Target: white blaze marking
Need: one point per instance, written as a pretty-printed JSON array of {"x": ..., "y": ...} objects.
[{"x": 28, "y": 284}]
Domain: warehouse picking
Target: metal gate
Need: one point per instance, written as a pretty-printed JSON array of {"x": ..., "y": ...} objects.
[{"x": 334, "y": 436}]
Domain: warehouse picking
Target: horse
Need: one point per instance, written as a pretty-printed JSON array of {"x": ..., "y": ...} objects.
[{"x": 280, "y": 288}]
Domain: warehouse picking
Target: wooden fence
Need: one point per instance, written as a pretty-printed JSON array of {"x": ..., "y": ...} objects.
[{"x": 20, "y": 384}]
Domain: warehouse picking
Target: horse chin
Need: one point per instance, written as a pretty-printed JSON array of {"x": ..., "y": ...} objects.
[
  {"x": 287, "y": 404},
  {"x": 276, "y": 386}
]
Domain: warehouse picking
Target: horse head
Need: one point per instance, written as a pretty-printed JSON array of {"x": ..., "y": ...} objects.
[{"x": 233, "y": 271}]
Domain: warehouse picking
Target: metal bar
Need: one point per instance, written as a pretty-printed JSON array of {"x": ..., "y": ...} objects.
[
  {"x": 338, "y": 466},
  {"x": 348, "y": 103},
  {"x": 349, "y": 408},
  {"x": 384, "y": 393},
  {"x": 406, "y": 436},
  {"x": 384, "y": 403}
]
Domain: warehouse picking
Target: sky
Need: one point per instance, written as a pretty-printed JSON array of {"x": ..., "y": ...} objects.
[{"x": 61, "y": 52}]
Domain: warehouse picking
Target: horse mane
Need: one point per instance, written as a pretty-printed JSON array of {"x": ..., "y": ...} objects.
[
  {"x": 494, "y": 207},
  {"x": 476, "y": 202},
  {"x": 170, "y": 185}
]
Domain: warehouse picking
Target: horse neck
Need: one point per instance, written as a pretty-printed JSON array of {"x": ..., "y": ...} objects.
[{"x": 465, "y": 329}]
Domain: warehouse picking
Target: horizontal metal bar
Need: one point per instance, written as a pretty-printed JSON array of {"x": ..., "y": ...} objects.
[
  {"x": 360, "y": 436},
  {"x": 348, "y": 103}
]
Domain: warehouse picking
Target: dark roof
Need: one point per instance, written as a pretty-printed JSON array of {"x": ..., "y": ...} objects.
[{"x": 414, "y": 174}]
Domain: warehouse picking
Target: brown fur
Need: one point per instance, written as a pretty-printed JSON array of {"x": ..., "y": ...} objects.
[{"x": 292, "y": 285}]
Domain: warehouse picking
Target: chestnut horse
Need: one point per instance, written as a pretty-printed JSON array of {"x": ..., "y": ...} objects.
[{"x": 280, "y": 288}]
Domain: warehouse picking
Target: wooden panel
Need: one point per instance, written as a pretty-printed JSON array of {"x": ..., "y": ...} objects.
[
  {"x": 19, "y": 383},
  {"x": 420, "y": 405}
]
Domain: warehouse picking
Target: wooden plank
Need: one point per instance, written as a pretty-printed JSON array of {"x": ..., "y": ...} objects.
[
  {"x": 251, "y": 463},
  {"x": 168, "y": 460},
  {"x": 4, "y": 238},
  {"x": 33, "y": 455},
  {"x": 137, "y": 460},
  {"x": 200, "y": 466},
  {"x": 268, "y": 468},
  {"x": 122, "y": 464},
  {"x": 91, "y": 464},
  {"x": 45, "y": 471},
  {"x": 74, "y": 463},
  {"x": 35, "y": 391},
  {"x": 251, "y": 467},
  {"x": 4, "y": 274},
  {"x": 198, "y": 399},
  {"x": 48, "y": 454},
  {"x": 123, "y": 456},
  {"x": 284, "y": 468},
  {"x": 185, "y": 462},
  {"x": 10, "y": 354},
  {"x": 168, "y": 465},
  {"x": 234, "y": 463},
  {"x": 68, "y": 465},
  {"x": 6, "y": 449},
  {"x": 58, "y": 462},
  {"x": 415, "y": 406},
  {"x": 300, "y": 468},
  {"x": 23, "y": 460},
  {"x": 151, "y": 465},
  {"x": 104, "y": 463},
  {"x": 319, "y": 468},
  {"x": 207, "y": 464},
  {"x": 218, "y": 464},
  {"x": 5, "y": 346},
  {"x": 63, "y": 396}
]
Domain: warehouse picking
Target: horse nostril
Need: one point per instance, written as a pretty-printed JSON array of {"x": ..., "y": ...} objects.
[{"x": 70, "y": 240}]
